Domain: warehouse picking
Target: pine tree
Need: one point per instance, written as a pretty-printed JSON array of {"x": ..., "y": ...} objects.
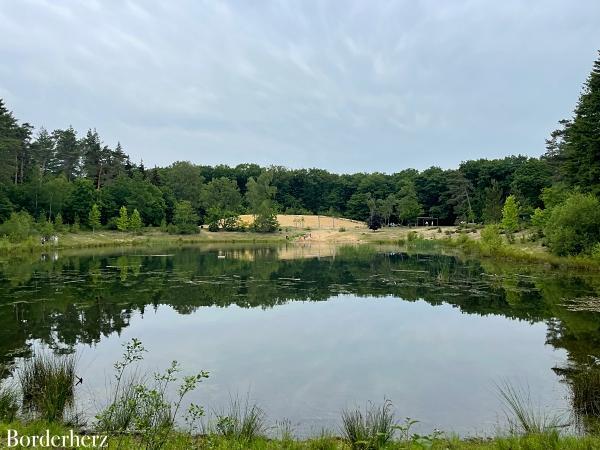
[
  {"x": 93, "y": 218},
  {"x": 123, "y": 220},
  {"x": 575, "y": 148},
  {"x": 67, "y": 152}
]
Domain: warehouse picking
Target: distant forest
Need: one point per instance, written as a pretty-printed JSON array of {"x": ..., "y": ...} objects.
[{"x": 64, "y": 173}]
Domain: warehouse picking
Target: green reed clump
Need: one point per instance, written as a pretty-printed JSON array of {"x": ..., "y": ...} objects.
[
  {"x": 47, "y": 385},
  {"x": 523, "y": 417},
  {"x": 9, "y": 404},
  {"x": 243, "y": 420},
  {"x": 372, "y": 429}
]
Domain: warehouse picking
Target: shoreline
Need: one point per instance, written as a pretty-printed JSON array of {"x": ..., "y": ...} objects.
[{"x": 464, "y": 241}]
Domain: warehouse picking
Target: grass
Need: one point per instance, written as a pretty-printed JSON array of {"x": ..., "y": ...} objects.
[
  {"x": 370, "y": 430},
  {"x": 9, "y": 404},
  {"x": 152, "y": 237},
  {"x": 243, "y": 421},
  {"x": 47, "y": 386},
  {"x": 523, "y": 417}
]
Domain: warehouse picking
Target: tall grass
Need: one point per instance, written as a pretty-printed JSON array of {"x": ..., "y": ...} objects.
[
  {"x": 9, "y": 404},
  {"x": 523, "y": 417},
  {"x": 242, "y": 420},
  {"x": 372, "y": 429},
  {"x": 47, "y": 385}
]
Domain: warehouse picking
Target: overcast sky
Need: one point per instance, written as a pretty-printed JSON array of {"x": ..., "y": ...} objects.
[{"x": 343, "y": 85}]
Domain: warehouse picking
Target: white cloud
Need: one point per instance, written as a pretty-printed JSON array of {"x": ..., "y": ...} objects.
[{"x": 348, "y": 86}]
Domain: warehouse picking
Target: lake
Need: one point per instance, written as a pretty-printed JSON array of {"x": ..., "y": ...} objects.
[{"x": 308, "y": 331}]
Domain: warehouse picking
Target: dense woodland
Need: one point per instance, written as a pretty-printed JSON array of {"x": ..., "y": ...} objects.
[{"x": 66, "y": 180}]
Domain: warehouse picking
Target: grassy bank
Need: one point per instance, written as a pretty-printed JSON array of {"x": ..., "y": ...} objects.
[
  {"x": 87, "y": 239},
  {"x": 185, "y": 441}
]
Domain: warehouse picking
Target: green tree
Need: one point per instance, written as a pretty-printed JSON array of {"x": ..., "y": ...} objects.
[
  {"x": 408, "y": 205},
  {"x": 259, "y": 195},
  {"x": 510, "y": 215},
  {"x": 185, "y": 218},
  {"x": 576, "y": 147},
  {"x": 122, "y": 221},
  {"x": 135, "y": 221},
  {"x": 58, "y": 222},
  {"x": 67, "y": 152},
  {"x": 492, "y": 210},
  {"x": 573, "y": 227},
  {"x": 222, "y": 200},
  {"x": 18, "y": 227},
  {"x": 93, "y": 218}
]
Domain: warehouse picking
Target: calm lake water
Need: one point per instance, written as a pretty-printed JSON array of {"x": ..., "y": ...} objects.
[{"x": 306, "y": 337}]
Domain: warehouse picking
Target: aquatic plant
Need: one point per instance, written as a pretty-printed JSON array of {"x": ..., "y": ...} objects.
[
  {"x": 523, "y": 417},
  {"x": 372, "y": 429},
  {"x": 9, "y": 404},
  {"x": 243, "y": 420},
  {"x": 47, "y": 385}
]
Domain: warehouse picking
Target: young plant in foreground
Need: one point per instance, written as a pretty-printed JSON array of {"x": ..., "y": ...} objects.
[{"x": 145, "y": 409}]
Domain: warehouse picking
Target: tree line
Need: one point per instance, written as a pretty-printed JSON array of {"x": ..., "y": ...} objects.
[{"x": 81, "y": 181}]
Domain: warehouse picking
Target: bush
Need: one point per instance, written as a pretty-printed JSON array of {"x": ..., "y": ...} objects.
[
  {"x": 375, "y": 221},
  {"x": 573, "y": 227},
  {"x": 265, "y": 223},
  {"x": 490, "y": 237},
  {"x": 18, "y": 227}
]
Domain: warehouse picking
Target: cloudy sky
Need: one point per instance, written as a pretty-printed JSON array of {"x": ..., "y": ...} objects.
[{"x": 342, "y": 85}]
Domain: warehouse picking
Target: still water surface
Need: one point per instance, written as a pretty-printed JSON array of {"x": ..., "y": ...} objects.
[{"x": 308, "y": 337}]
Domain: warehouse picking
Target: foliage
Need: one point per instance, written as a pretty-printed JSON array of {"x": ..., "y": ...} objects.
[
  {"x": 375, "y": 221},
  {"x": 490, "y": 237},
  {"x": 145, "y": 409},
  {"x": 93, "y": 218},
  {"x": 135, "y": 221},
  {"x": 185, "y": 218},
  {"x": 575, "y": 148},
  {"x": 510, "y": 215},
  {"x": 122, "y": 221},
  {"x": 18, "y": 227},
  {"x": 408, "y": 205},
  {"x": 573, "y": 227},
  {"x": 259, "y": 195}
]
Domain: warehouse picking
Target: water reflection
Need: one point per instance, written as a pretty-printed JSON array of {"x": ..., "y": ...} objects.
[{"x": 343, "y": 336}]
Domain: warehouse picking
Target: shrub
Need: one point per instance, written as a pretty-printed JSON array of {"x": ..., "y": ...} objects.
[
  {"x": 375, "y": 221},
  {"x": 265, "y": 223},
  {"x": 58, "y": 223},
  {"x": 18, "y": 227},
  {"x": 490, "y": 237},
  {"x": 573, "y": 227}
]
